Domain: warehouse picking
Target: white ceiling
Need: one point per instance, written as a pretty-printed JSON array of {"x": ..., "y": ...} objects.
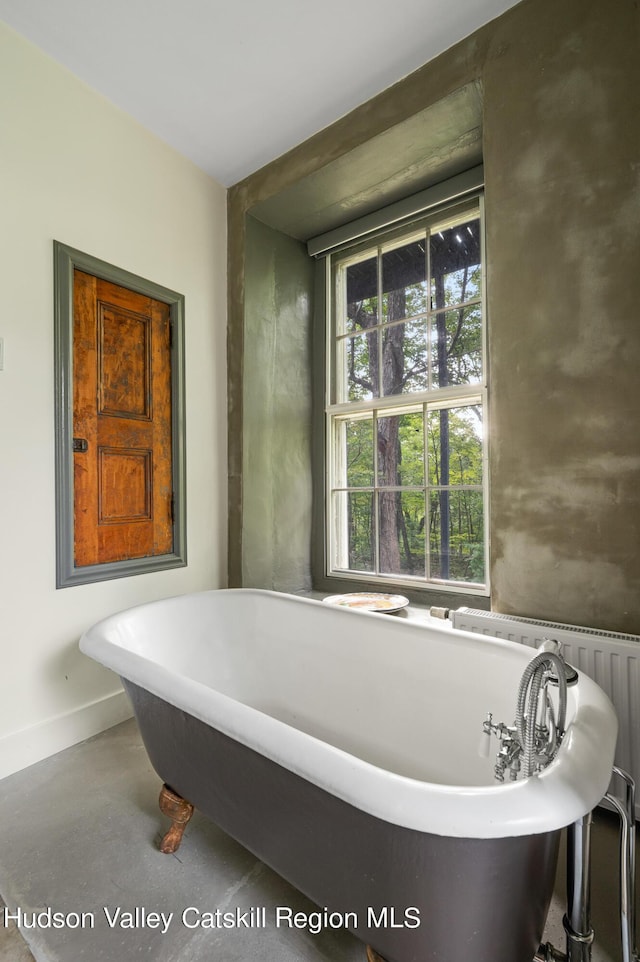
[{"x": 233, "y": 84}]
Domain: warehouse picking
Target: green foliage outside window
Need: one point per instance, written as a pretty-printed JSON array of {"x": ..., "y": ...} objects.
[{"x": 408, "y": 487}]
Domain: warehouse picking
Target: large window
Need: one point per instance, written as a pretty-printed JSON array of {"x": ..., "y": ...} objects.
[{"x": 405, "y": 406}]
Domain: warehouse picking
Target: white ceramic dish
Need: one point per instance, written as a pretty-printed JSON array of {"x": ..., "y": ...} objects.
[{"x": 368, "y": 601}]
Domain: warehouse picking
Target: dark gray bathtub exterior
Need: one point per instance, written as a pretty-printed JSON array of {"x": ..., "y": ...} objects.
[{"x": 479, "y": 900}]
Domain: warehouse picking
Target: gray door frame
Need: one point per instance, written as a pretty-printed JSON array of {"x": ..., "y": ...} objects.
[{"x": 66, "y": 259}]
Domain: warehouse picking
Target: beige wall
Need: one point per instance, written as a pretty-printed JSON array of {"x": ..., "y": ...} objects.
[
  {"x": 561, "y": 98},
  {"x": 74, "y": 168}
]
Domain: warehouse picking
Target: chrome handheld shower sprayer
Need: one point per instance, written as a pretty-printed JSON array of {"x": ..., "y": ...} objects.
[{"x": 527, "y": 746}]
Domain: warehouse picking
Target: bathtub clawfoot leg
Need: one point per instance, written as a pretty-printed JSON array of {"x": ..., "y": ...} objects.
[
  {"x": 372, "y": 955},
  {"x": 179, "y": 810}
]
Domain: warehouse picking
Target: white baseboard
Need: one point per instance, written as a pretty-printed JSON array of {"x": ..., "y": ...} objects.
[{"x": 30, "y": 745}]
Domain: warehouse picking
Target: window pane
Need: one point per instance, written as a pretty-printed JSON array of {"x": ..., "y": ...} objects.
[
  {"x": 362, "y": 295},
  {"x": 455, "y": 265},
  {"x": 401, "y": 522},
  {"x": 456, "y": 346},
  {"x": 456, "y": 540},
  {"x": 360, "y": 360},
  {"x": 455, "y": 445},
  {"x": 354, "y": 535},
  {"x": 404, "y": 358},
  {"x": 358, "y": 440},
  {"x": 404, "y": 282},
  {"x": 401, "y": 450}
]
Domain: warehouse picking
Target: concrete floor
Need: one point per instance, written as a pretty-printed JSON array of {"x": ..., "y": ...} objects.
[
  {"x": 79, "y": 831},
  {"x": 13, "y": 947}
]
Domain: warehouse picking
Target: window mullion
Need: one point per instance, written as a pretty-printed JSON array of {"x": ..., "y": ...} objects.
[
  {"x": 376, "y": 493},
  {"x": 427, "y": 245},
  {"x": 380, "y": 331},
  {"x": 375, "y": 506},
  {"x": 427, "y": 490}
]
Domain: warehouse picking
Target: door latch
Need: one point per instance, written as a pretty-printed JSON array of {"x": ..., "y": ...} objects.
[{"x": 80, "y": 445}]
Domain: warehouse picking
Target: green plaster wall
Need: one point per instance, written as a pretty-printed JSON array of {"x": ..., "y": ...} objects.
[
  {"x": 277, "y": 411},
  {"x": 561, "y": 146}
]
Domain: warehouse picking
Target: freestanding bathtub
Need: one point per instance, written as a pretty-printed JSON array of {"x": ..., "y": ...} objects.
[{"x": 343, "y": 749}]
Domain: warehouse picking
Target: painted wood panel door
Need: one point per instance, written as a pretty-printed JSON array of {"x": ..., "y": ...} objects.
[{"x": 121, "y": 423}]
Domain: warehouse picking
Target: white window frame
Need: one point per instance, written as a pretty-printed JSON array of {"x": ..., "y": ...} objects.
[{"x": 337, "y": 410}]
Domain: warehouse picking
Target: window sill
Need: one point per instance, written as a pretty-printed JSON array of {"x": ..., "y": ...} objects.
[{"x": 416, "y": 612}]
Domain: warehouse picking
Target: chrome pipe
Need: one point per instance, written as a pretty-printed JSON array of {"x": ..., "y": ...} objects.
[
  {"x": 626, "y": 813},
  {"x": 577, "y": 921}
]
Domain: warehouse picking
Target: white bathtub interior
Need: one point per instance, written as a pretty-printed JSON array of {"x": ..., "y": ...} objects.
[
  {"x": 412, "y": 703},
  {"x": 385, "y": 714}
]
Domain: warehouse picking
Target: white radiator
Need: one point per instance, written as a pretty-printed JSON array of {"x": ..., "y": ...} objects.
[{"x": 611, "y": 659}]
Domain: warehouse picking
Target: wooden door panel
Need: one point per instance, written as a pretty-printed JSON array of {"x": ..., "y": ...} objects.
[
  {"x": 161, "y": 430},
  {"x": 124, "y": 363},
  {"x": 124, "y": 485},
  {"x": 122, "y": 408},
  {"x": 85, "y": 424}
]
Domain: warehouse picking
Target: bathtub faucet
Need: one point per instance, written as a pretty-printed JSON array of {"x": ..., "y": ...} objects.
[
  {"x": 527, "y": 746},
  {"x": 508, "y": 756}
]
